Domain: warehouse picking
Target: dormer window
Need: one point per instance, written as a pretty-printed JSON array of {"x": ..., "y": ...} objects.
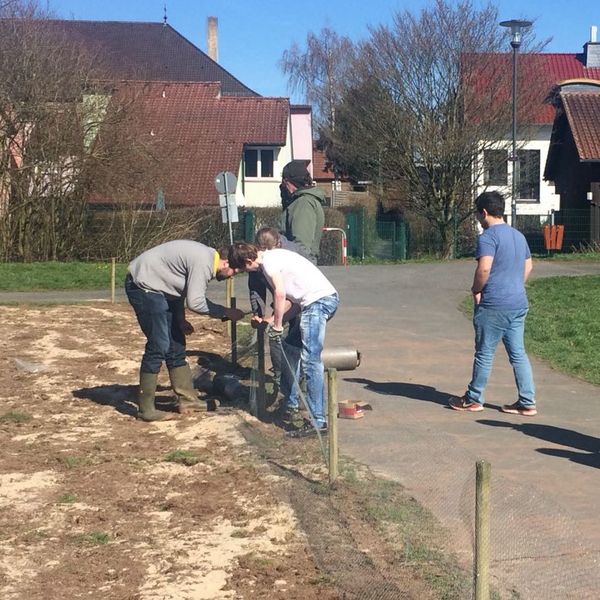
[{"x": 259, "y": 163}]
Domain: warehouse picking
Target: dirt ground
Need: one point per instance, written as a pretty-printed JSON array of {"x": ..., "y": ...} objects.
[
  {"x": 97, "y": 504},
  {"x": 89, "y": 507}
]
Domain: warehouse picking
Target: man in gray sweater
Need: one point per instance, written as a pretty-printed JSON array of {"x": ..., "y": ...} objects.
[{"x": 159, "y": 284}]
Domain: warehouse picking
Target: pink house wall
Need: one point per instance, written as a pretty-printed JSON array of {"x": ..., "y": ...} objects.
[{"x": 301, "y": 128}]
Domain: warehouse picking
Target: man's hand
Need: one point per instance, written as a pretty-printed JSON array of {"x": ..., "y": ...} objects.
[
  {"x": 187, "y": 328},
  {"x": 233, "y": 314},
  {"x": 476, "y": 297},
  {"x": 257, "y": 322},
  {"x": 275, "y": 334}
]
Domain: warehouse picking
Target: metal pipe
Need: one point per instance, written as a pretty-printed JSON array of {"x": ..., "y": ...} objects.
[
  {"x": 515, "y": 158},
  {"x": 516, "y": 27},
  {"x": 341, "y": 358}
]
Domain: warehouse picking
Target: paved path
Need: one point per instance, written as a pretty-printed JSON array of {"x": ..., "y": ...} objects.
[{"x": 417, "y": 349}]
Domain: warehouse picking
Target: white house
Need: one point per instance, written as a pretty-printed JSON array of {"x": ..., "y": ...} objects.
[{"x": 535, "y": 196}]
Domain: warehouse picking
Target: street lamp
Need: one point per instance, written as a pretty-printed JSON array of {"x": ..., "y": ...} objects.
[{"x": 516, "y": 26}]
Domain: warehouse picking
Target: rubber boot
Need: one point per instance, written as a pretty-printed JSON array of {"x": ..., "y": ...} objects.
[
  {"x": 147, "y": 411},
  {"x": 183, "y": 388}
]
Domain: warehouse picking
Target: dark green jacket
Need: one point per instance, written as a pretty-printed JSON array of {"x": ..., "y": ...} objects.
[{"x": 303, "y": 219}]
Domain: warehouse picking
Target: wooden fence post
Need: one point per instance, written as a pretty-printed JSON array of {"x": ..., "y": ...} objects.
[
  {"x": 260, "y": 398},
  {"x": 482, "y": 530},
  {"x": 332, "y": 424},
  {"x": 233, "y": 304},
  {"x": 113, "y": 278}
]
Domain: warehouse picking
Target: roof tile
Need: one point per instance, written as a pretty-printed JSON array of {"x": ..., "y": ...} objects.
[
  {"x": 550, "y": 69},
  {"x": 142, "y": 51},
  {"x": 201, "y": 132},
  {"x": 583, "y": 113}
]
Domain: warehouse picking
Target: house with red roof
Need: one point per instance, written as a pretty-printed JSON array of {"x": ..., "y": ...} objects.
[
  {"x": 199, "y": 117},
  {"x": 198, "y": 132},
  {"x": 573, "y": 164},
  {"x": 539, "y": 75}
]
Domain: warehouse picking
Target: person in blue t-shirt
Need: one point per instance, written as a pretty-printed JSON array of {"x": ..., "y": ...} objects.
[{"x": 500, "y": 307}]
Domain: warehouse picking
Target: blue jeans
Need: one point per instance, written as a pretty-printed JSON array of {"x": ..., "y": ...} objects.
[
  {"x": 291, "y": 347},
  {"x": 159, "y": 319},
  {"x": 313, "y": 322},
  {"x": 491, "y": 326}
]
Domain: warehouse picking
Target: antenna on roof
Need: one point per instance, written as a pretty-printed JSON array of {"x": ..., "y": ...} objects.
[{"x": 165, "y": 14}]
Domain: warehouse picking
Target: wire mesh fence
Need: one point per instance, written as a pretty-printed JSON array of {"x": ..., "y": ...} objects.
[
  {"x": 579, "y": 230},
  {"x": 538, "y": 548}
]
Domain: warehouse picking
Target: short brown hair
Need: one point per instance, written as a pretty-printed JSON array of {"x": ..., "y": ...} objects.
[
  {"x": 267, "y": 238},
  {"x": 493, "y": 202},
  {"x": 239, "y": 253}
]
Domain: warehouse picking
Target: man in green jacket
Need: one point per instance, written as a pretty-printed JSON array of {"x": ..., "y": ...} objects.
[{"x": 303, "y": 217}]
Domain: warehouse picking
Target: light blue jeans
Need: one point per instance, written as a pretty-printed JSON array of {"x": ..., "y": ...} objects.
[
  {"x": 313, "y": 322},
  {"x": 491, "y": 326}
]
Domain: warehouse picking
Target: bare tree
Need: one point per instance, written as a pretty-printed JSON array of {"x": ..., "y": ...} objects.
[
  {"x": 320, "y": 71},
  {"x": 435, "y": 93},
  {"x": 65, "y": 142}
]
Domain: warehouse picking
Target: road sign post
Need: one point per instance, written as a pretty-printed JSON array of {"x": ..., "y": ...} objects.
[{"x": 226, "y": 184}]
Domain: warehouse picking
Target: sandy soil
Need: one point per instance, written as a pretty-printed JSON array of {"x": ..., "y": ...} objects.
[{"x": 89, "y": 507}]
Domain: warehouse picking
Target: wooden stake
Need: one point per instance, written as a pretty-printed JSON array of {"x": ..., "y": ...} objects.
[
  {"x": 261, "y": 393},
  {"x": 233, "y": 334},
  {"x": 113, "y": 278},
  {"x": 332, "y": 424},
  {"x": 482, "y": 530}
]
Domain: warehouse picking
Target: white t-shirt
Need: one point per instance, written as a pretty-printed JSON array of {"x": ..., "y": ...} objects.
[{"x": 304, "y": 283}]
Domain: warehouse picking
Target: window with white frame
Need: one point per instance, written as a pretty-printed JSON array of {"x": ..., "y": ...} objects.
[
  {"x": 529, "y": 175},
  {"x": 259, "y": 163},
  {"x": 495, "y": 167}
]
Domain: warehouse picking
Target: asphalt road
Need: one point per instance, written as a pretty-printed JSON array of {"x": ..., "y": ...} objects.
[{"x": 417, "y": 349}]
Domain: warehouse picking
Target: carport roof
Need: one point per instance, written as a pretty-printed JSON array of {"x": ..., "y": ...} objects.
[{"x": 583, "y": 114}]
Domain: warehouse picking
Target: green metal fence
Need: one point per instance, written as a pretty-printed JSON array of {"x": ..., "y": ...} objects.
[{"x": 577, "y": 223}]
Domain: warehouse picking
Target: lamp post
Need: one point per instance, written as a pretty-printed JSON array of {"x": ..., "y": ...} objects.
[{"x": 516, "y": 27}]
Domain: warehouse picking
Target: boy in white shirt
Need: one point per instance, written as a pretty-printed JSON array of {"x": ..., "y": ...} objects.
[{"x": 295, "y": 280}]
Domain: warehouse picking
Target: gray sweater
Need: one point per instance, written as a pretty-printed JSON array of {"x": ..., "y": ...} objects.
[{"x": 178, "y": 269}]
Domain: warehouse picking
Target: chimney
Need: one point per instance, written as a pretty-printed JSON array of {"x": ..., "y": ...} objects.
[
  {"x": 591, "y": 50},
  {"x": 212, "y": 40}
]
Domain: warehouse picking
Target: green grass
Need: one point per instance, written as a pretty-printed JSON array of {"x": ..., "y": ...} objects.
[
  {"x": 74, "y": 461},
  {"x": 576, "y": 257},
  {"x": 374, "y": 260},
  {"x": 182, "y": 457},
  {"x": 19, "y": 277},
  {"x": 563, "y": 327},
  {"x": 412, "y": 530},
  {"x": 95, "y": 538},
  {"x": 67, "y": 499},
  {"x": 15, "y": 417},
  {"x": 239, "y": 533}
]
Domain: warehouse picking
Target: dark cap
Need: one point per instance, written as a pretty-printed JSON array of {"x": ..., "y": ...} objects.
[{"x": 297, "y": 173}]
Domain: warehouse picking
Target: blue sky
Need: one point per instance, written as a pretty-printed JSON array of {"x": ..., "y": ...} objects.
[{"x": 254, "y": 33}]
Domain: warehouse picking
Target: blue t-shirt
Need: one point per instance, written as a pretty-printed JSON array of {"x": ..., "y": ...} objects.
[{"x": 505, "y": 288}]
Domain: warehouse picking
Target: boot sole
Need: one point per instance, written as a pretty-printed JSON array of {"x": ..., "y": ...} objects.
[{"x": 166, "y": 417}]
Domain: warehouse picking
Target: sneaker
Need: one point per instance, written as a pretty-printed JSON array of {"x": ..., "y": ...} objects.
[
  {"x": 463, "y": 403},
  {"x": 519, "y": 409},
  {"x": 307, "y": 430}
]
